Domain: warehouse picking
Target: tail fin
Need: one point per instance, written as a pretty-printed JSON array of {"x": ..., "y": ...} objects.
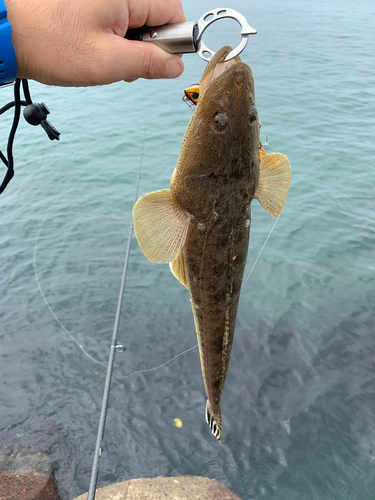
[{"x": 213, "y": 418}]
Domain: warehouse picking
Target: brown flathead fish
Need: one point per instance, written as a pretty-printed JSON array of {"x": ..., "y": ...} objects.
[{"x": 202, "y": 224}]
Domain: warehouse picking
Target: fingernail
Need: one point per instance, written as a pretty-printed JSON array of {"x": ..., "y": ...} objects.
[{"x": 174, "y": 68}]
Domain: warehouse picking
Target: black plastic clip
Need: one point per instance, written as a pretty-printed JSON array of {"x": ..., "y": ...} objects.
[{"x": 36, "y": 114}]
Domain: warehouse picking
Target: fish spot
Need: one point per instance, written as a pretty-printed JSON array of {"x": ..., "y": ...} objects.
[
  {"x": 201, "y": 226},
  {"x": 216, "y": 215},
  {"x": 220, "y": 121},
  {"x": 253, "y": 114},
  {"x": 247, "y": 223},
  {"x": 194, "y": 280},
  {"x": 196, "y": 306}
]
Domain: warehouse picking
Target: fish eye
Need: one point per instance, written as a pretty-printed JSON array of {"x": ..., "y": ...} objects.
[
  {"x": 253, "y": 114},
  {"x": 195, "y": 96},
  {"x": 220, "y": 120}
]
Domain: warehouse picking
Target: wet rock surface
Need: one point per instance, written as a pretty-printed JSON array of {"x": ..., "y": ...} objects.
[
  {"x": 37, "y": 455},
  {"x": 14, "y": 457},
  {"x": 166, "y": 488}
]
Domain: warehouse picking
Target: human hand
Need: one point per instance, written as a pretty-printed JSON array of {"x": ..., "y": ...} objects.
[{"x": 81, "y": 42}]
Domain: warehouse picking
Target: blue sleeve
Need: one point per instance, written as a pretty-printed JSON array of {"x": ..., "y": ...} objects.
[{"x": 8, "y": 62}]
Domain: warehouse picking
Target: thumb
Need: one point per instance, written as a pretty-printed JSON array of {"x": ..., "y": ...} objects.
[{"x": 121, "y": 59}]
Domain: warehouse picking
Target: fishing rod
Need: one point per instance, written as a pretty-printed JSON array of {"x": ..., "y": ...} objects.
[{"x": 115, "y": 347}]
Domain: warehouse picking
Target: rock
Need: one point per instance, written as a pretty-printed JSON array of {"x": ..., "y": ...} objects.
[
  {"x": 26, "y": 484},
  {"x": 26, "y": 475},
  {"x": 14, "y": 456},
  {"x": 49, "y": 446},
  {"x": 166, "y": 488}
]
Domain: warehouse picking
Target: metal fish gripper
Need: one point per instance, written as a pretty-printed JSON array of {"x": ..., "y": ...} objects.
[{"x": 186, "y": 38}]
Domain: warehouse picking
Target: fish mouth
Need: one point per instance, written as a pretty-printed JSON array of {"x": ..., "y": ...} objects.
[{"x": 217, "y": 66}]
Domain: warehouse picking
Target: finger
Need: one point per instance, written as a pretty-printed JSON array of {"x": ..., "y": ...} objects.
[
  {"x": 155, "y": 12},
  {"x": 120, "y": 59}
]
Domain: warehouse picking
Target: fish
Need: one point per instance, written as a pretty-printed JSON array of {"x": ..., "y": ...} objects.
[{"x": 201, "y": 225}]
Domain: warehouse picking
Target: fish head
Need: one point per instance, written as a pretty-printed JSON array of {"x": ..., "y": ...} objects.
[
  {"x": 227, "y": 88},
  {"x": 223, "y": 135}
]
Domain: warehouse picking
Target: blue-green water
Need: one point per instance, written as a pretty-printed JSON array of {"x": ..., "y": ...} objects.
[{"x": 299, "y": 400}]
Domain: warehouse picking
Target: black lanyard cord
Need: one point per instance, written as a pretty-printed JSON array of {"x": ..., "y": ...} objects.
[
  {"x": 26, "y": 91},
  {"x": 9, "y": 161},
  {"x": 34, "y": 113}
]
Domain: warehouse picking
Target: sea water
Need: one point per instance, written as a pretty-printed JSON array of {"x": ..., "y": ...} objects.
[{"x": 299, "y": 400}]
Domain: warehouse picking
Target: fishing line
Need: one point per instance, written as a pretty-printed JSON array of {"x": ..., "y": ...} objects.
[
  {"x": 211, "y": 333},
  {"x": 45, "y": 298},
  {"x": 147, "y": 370},
  {"x": 160, "y": 366},
  {"x": 261, "y": 250},
  {"x": 48, "y": 304}
]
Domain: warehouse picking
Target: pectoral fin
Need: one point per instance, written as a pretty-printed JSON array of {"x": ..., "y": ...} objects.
[
  {"x": 178, "y": 269},
  {"x": 274, "y": 181},
  {"x": 160, "y": 226}
]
